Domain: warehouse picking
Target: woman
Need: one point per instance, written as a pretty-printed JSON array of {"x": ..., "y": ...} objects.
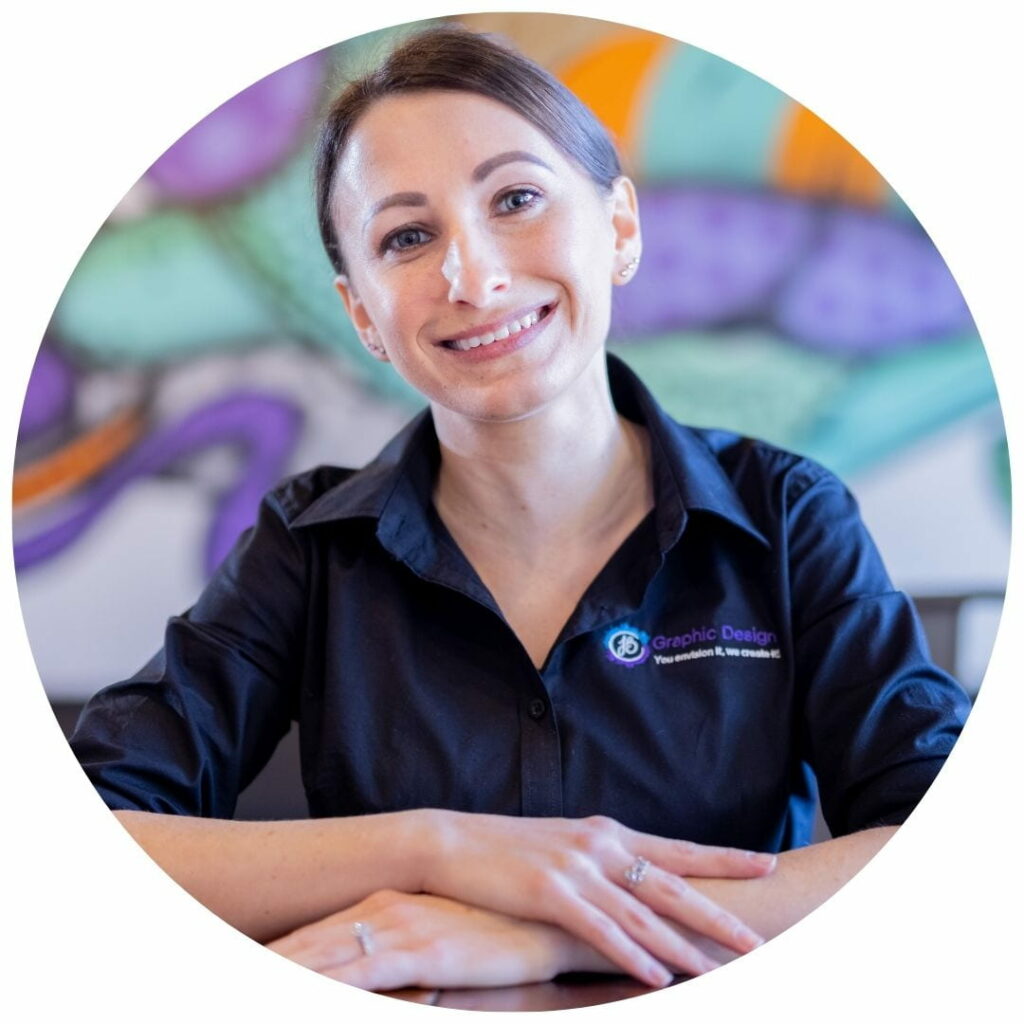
[{"x": 551, "y": 652}]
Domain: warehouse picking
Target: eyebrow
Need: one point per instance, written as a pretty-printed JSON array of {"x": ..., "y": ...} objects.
[
  {"x": 512, "y": 156},
  {"x": 396, "y": 199},
  {"x": 479, "y": 173}
]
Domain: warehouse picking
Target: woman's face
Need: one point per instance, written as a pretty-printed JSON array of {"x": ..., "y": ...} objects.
[{"x": 480, "y": 259}]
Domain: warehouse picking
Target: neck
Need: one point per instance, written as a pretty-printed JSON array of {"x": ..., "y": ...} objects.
[{"x": 567, "y": 474}]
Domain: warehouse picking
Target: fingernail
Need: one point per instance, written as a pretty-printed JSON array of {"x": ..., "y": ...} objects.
[
  {"x": 763, "y": 859},
  {"x": 658, "y": 976},
  {"x": 750, "y": 939}
]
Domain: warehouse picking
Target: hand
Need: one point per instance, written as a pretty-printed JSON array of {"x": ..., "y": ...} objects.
[
  {"x": 428, "y": 942},
  {"x": 571, "y": 873}
]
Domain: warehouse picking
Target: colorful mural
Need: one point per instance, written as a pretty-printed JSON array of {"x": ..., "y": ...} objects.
[{"x": 200, "y": 350}]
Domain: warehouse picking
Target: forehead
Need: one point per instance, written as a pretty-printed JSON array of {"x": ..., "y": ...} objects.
[{"x": 407, "y": 141}]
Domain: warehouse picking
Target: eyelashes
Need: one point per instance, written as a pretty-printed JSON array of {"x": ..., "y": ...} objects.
[
  {"x": 398, "y": 241},
  {"x": 411, "y": 236},
  {"x": 531, "y": 195}
]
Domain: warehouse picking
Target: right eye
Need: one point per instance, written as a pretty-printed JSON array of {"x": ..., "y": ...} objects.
[{"x": 403, "y": 238}]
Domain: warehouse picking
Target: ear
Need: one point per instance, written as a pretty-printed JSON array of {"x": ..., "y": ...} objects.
[
  {"x": 360, "y": 318},
  {"x": 625, "y": 212}
]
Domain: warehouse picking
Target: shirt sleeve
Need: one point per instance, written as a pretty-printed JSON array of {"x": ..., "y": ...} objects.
[
  {"x": 193, "y": 727},
  {"x": 879, "y": 718}
]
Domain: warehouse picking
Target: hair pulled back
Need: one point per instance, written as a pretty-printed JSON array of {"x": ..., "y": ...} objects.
[{"x": 453, "y": 58}]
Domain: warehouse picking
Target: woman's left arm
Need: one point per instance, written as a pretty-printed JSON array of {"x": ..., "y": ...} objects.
[{"x": 803, "y": 879}]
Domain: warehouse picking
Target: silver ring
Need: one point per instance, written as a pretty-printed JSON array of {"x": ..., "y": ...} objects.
[
  {"x": 364, "y": 936},
  {"x": 637, "y": 872}
]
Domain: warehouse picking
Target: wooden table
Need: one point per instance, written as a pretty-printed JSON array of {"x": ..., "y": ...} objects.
[{"x": 567, "y": 992}]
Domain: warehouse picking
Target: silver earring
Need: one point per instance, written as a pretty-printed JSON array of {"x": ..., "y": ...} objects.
[
  {"x": 375, "y": 349},
  {"x": 630, "y": 267}
]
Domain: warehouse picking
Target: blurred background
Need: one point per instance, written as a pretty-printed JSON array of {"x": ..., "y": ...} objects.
[{"x": 199, "y": 352}]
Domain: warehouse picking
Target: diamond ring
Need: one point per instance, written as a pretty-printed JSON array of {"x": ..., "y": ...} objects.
[
  {"x": 637, "y": 872},
  {"x": 364, "y": 936}
]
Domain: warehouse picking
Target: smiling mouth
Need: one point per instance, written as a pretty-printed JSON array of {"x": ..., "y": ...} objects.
[{"x": 508, "y": 330}]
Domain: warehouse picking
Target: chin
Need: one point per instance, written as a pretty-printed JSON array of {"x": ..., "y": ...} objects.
[
  {"x": 565, "y": 372},
  {"x": 508, "y": 402}
]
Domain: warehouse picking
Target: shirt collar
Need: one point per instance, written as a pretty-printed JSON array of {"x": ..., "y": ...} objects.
[
  {"x": 688, "y": 477},
  {"x": 366, "y": 493}
]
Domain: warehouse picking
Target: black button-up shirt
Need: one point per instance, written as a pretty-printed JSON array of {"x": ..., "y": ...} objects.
[{"x": 744, "y": 641}]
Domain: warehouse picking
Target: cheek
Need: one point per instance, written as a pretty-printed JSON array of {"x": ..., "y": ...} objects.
[
  {"x": 590, "y": 251},
  {"x": 394, "y": 306}
]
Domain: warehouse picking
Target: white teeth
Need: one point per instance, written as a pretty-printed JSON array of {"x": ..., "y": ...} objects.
[{"x": 514, "y": 327}]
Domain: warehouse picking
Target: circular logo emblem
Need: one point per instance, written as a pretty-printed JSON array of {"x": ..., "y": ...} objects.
[{"x": 626, "y": 645}]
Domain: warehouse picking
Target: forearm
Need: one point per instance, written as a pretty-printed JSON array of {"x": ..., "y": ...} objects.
[
  {"x": 440, "y": 942},
  {"x": 802, "y": 880},
  {"x": 268, "y": 877}
]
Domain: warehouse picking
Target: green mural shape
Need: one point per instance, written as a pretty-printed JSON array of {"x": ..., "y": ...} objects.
[
  {"x": 846, "y": 415},
  {"x": 157, "y": 288},
  {"x": 1001, "y": 471},
  {"x": 708, "y": 119},
  {"x": 748, "y": 381},
  {"x": 274, "y": 234},
  {"x": 890, "y": 403}
]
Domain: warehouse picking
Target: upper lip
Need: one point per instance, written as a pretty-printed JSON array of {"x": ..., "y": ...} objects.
[{"x": 493, "y": 325}]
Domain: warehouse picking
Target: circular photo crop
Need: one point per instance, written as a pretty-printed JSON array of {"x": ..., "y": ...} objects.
[{"x": 482, "y": 511}]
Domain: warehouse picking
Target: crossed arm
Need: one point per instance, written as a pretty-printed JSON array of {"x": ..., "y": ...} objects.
[
  {"x": 437, "y": 943},
  {"x": 472, "y": 899}
]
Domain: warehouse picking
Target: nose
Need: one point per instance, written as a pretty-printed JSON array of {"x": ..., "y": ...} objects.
[{"x": 474, "y": 269}]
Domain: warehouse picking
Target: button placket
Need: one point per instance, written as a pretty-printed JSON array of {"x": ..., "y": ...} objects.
[{"x": 541, "y": 755}]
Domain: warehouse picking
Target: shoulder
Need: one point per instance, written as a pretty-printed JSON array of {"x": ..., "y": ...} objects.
[
  {"x": 295, "y": 494},
  {"x": 754, "y": 465}
]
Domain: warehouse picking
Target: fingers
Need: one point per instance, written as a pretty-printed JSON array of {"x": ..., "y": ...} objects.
[
  {"x": 591, "y": 899},
  {"x": 642, "y": 924},
  {"x": 378, "y": 973},
  {"x": 674, "y": 898},
  {"x": 685, "y": 858},
  {"x": 589, "y": 922},
  {"x": 316, "y": 948}
]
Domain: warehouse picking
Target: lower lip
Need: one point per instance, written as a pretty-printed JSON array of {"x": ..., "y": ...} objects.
[{"x": 512, "y": 343}]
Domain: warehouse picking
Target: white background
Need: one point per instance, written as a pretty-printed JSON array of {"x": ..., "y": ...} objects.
[{"x": 928, "y": 92}]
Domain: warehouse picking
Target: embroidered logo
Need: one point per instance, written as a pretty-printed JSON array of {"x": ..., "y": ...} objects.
[{"x": 626, "y": 645}]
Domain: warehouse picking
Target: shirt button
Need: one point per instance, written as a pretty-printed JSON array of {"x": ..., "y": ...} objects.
[{"x": 537, "y": 707}]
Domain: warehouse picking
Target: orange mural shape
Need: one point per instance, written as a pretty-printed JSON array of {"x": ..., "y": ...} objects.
[
  {"x": 814, "y": 159},
  {"x": 79, "y": 460},
  {"x": 613, "y": 77}
]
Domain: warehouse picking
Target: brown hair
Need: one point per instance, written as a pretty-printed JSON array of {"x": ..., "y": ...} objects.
[{"x": 453, "y": 58}]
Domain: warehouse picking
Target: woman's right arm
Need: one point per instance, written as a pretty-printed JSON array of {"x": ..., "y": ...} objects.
[{"x": 269, "y": 878}]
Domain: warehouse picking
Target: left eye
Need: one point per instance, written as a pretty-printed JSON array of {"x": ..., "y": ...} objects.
[{"x": 517, "y": 199}]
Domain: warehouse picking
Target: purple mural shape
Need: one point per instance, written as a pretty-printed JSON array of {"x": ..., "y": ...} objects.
[
  {"x": 842, "y": 280},
  {"x": 50, "y": 391},
  {"x": 244, "y": 138},
  {"x": 265, "y": 426},
  {"x": 873, "y": 285},
  {"x": 710, "y": 256}
]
